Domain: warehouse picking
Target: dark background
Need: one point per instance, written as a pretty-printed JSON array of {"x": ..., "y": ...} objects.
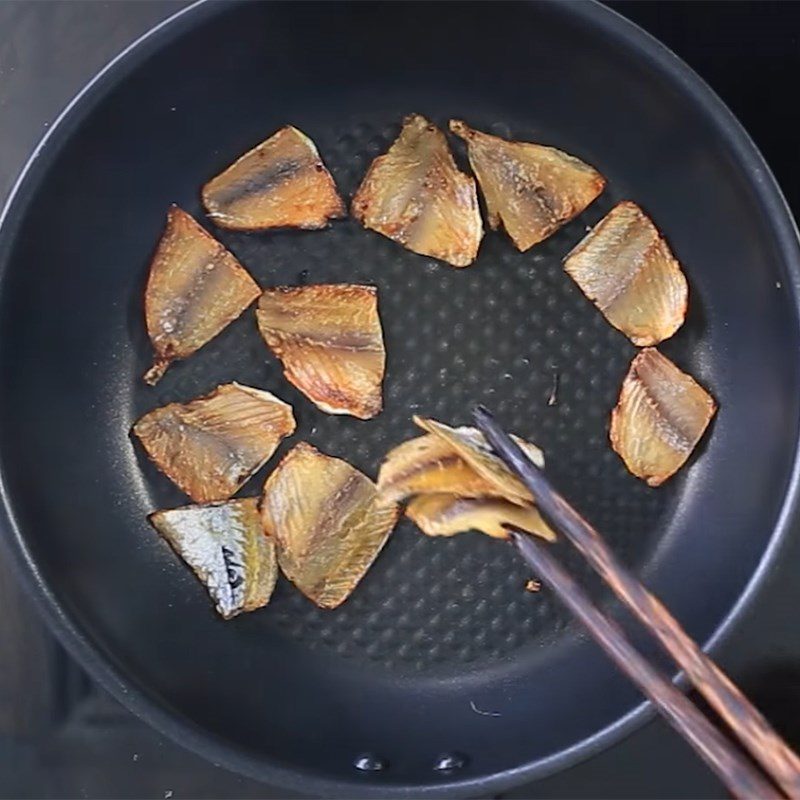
[{"x": 61, "y": 736}]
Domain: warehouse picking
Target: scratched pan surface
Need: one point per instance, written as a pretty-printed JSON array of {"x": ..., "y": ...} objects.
[{"x": 440, "y": 650}]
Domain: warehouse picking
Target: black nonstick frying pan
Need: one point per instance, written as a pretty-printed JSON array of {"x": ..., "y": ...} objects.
[{"x": 440, "y": 658}]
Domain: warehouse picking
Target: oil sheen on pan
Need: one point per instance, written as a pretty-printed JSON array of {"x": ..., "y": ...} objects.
[
  {"x": 225, "y": 545},
  {"x": 430, "y": 464},
  {"x": 280, "y": 183},
  {"x": 210, "y": 446},
  {"x": 661, "y": 415},
  {"x": 330, "y": 342},
  {"x": 194, "y": 290},
  {"x": 529, "y": 189},
  {"x": 328, "y": 522},
  {"x": 627, "y": 270},
  {"x": 449, "y": 514},
  {"x": 416, "y": 195}
]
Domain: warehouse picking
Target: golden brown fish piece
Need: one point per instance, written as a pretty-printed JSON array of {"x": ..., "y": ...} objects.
[
  {"x": 225, "y": 545},
  {"x": 210, "y": 446},
  {"x": 530, "y": 189},
  {"x": 627, "y": 270},
  {"x": 660, "y": 417},
  {"x": 471, "y": 445},
  {"x": 195, "y": 289},
  {"x": 330, "y": 342},
  {"x": 328, "y": 521},
  {"x": 449, "y": 514},
  {"x": 431, "y": 465},
  {"x": 280, "y": 183},
  {"x": 416, "y": 195}
]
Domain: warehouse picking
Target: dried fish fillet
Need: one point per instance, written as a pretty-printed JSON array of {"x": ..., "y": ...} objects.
[
  {"x": 195, "y": 289},
  {"x": 281, "y": 182},
  {"x": 330, "y": 342},
  {"x": 660, "y": 417},
  {"x": 449, "y": 514},
  {"x": 210, "y": 446},
  {"x": 328, "y": 521},
  {"x": 627, "y": 270},
  {"x": 431, "y": 465},
  {"x": 530, "y": 189},
  {"x": 470, "y": 444},
  {"x": 416, "y": 195},
  {"x": 225, "y": 545}
]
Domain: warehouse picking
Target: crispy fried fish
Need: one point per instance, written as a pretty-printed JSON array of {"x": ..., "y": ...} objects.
[
  {"x": 471, "y": 445},
  {"x": 281, "y": 182},
  {"x": 431, "y": 464},
  {"x": 627, "y": 270},
  {"x": 195, "y": 289},
  {"x": 225, "y": 545},
  {"x": 210, "y": 446},
  {"x": 660, "y": 417},
  {"x": 416, "y": 195},
  {"x": 328, "y": 521},
  {"x": 530, "y": 189},
  {"x": 330, "y": 342},
  {"x": 449, "y": 514}
]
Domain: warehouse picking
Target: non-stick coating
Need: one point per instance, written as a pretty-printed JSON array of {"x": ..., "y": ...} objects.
[{"x": 440, "y": 650}]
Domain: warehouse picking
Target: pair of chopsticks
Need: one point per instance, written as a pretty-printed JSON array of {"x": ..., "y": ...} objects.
[{"x": 756, "y": 737}]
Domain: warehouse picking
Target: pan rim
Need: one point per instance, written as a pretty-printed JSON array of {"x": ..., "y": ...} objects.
[{"x": 135, "y": 698}]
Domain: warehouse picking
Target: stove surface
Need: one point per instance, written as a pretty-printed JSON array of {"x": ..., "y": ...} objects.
[{"x": 62, "y": 736}]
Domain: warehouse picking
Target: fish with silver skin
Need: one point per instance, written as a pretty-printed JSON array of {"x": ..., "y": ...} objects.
[
  {"x": 529, "y": 189},
  {"x": 627, "y": 270},
  {"x": 330, "y": 342},
  {"x": 661, "y": 415},
  {"x": 210, "y": 446},
  {"x": 416, "y": 195},
  {"x": 280, "y": 183},
  {"x": 328, "y": 521},
  {"x": 195, "y": 289},
  {"x": 225, "y": 545}
]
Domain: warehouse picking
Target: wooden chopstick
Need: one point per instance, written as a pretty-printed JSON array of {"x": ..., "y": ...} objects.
[{"x": 752, "y": 729}]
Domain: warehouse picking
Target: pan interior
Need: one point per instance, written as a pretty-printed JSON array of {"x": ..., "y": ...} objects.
[{"x": 440, "y": 649}]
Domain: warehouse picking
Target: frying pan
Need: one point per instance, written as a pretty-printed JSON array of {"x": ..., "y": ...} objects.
[{"x": 440, "y": 658}]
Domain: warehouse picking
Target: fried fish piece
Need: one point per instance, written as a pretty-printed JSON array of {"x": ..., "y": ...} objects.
[
  {"x": 210, "y": 446},
  {"x": 194, "y": 290},
  {"x": 660, "y": 417},
  {"x": 627, "y": 270},
  {"x": 471, "y": 445},
  {"x": 280, "y": 183},
  {"x": 430, "y": 464},
  {"x": 328, "y": 521},
  {"x": 416, "y": 195},
  {"x": 449, "y": 514},
  {"x": 225, "y": 545},
  {"x": 530, "y": 189},
  {"x": 329, "y": 340}
]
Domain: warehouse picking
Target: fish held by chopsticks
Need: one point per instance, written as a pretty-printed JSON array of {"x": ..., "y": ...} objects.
[
  {"x": 330, "y": 342},
  {"x": 280, "y": 183},
  {"x": 416, "y": 195},
  {"x": 328, "y": 521},
  {"x": 195, "y": 289},
  {"x": 225, "y": 545},
  {"x": 627, "y": 270},
  {"x": 431, "y": 464},
  {"x": 450, "y": 514},
  {"x": 529, "y": 189},
  {"x": 661, "y": 415},
  {"x": 210, "y": 446}
]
